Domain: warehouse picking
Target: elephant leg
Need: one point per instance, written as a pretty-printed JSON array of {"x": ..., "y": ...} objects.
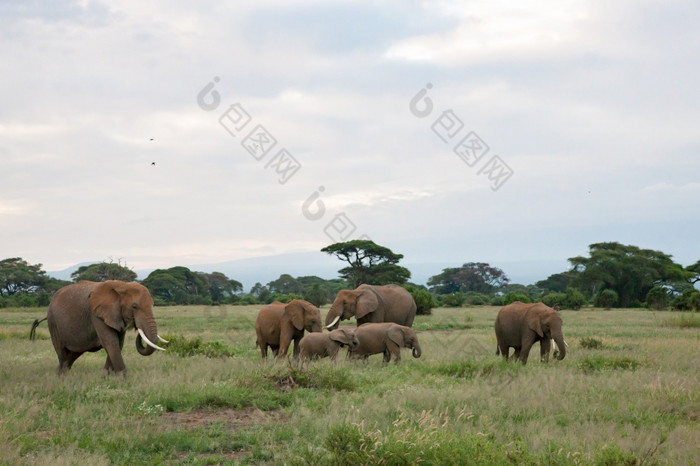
[
  {"x": 295, "y": 352},
  {"x": 503, "y": 348},
  {"x": 66, "y": 359},
  {"x": 386, "y": 357},
  {"x": 516, "y": 353},
  {"x": 545, "y": 347},
  {"x": 263, "y": 350},
  {"x": 111, "y": 344},
  {"x": 528, "y": 341},
  {"x": 393, "y": 350}
]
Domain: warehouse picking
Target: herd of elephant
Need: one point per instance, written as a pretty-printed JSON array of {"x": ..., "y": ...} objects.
[{"x": 88, "y": 316}]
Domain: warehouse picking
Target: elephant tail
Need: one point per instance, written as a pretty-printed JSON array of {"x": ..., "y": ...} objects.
[
  {"x": 498, "y": 352},
  {"x": 32, "y": 332}
]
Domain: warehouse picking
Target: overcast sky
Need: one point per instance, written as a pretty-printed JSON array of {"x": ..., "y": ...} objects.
[{"x": 451, "y": 132}]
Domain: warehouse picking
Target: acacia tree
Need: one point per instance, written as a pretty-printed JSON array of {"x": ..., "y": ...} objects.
[
  {"x": 103, "y": 271},
  {"x": 369, "y": 263},
  {"x": 18, "y": 276},
  {"x": 695, "y": 271},
  {"x": 628, "y": 270},
  {"x": 477, "y": 277}
]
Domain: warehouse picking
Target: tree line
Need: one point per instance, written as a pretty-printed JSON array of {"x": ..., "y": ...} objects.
[{"x": 612, "y": 275}]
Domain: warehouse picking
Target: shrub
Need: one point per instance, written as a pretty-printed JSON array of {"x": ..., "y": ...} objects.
[
  {"x": 658, "y": 298},
  {"x": 425, "y": 301},
  {"x": 497, "y": 301},
  {"x": 574, "y": 299},
  {"x": 554, "y": 299},
  {"x": 606, "y": 298},
  {"x": 476, "y": 299},
  {"x": 591, "y": 343},
  {"x": 185, "y": 347},
  {"x": 687, "y": 301},
  {"x": 513, "y": 296},
  {"x": 457, "y": 299}
]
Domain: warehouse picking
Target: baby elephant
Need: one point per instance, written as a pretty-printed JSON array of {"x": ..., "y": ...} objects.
[
  {"x": 387, "y": 338},
  {"x": 321, "y": 345}
]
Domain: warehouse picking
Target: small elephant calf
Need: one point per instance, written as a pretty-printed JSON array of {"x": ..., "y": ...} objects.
[
  {"x": 387, "y": 338},
  {"x": 321, "y": 345}
]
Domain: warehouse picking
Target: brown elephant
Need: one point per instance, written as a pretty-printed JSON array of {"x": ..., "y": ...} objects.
[
  {"x": 278, "y": 324},
  {"x": 387, "y": 338},
  {"x": 372, "y": 303},
  {"x": 89, "y": 316},
  {"x": 321, "y": 345},
  {"x": 519, "y": 325}
]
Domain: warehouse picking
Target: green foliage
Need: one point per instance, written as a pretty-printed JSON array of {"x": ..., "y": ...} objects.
[
  {"x": 688, "y": 300},
  {"x": 103, "y": 271},
  {"x": 514, "y": 296},
  {"x": 591, "y": 343},
  {"x": 606, "y": 299},
  {"x": 555, "y": 300},
  {"x": 425, "y": 301},
  {"x": 324, "y": 377},
  {"x": 369, "y": 263},
  {"x": 686, "y": 321},
  {"x": 457, "y": 299},
  {"x": 178, "y": 285},
  {"x": 19, "y": 277},
  {"x": 658, "y": 298},
  {"x": 478, "y": 277},
  {"x": 186, "y": 347},
  {"x": 598, "y": 363},
  {"x": 628, "y": 270},
  {"x": 476, "y": 299},
  {"x": 411, "y": 441},
  {"x": 574, "y": 299},
  {"x": 557, "y": 282},
  {"x": 285, "y": 298},
  {"x": 613, "y": 455}
]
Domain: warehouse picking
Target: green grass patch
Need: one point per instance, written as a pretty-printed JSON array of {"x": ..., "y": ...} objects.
[
  {"x": 185, "y": 347},
  {"x": 599, "y": 363},
  {"x": 324, "y": 377},
  {"x": 682, "y": 321},
  {"x": 591, "y": 343}
]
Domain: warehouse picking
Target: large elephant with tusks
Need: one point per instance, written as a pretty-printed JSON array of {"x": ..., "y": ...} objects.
[
  {"x": 88, "y": 316},
  {"x": 373, "y": 303}
]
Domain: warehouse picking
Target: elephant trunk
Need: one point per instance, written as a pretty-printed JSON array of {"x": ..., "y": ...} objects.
[
  {"x": 332, "y": 319},
  {"x": 561, "y": 345},
  {"x": 148, "y": 333},
  {"x": 416, "y": 350}
]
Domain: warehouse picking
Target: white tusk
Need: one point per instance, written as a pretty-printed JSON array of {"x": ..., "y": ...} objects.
[
  {"x": 148, "y": 342},
  {"x": 566, "y": 344},
  {"x": 335, "y": 321},
  {"x": 162, "y": 340}
]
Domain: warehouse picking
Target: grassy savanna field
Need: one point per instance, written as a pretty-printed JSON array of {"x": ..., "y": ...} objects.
[{"x": 628, "y": 392}]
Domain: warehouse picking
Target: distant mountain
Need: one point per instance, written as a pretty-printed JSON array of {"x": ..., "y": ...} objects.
[{"x": 268, "y": 268}]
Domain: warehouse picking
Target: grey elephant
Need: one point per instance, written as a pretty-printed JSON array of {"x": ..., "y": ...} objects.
[
  {"x": 372, "y": 303},
  {"x": 519, "y": 326},
  {"x": 278, "y": 324},
  {"x": 88, "y": 316},
  {"x": 321, "y": 345},
  {"x": 386, "y": 338}
]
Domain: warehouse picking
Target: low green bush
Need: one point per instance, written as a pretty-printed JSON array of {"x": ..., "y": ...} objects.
[{"x": 185, "y": 347}]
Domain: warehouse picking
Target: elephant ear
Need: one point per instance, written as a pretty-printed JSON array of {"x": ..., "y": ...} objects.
[
  {"x": 104, "y": 303},
  {"x": 395, "y": 334},
  {"x": 295, "y": 313},
  {"x": 535, "y": 325},
  {"x": 340, "y": 336},
  {"x": 366, "y": 303}
]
